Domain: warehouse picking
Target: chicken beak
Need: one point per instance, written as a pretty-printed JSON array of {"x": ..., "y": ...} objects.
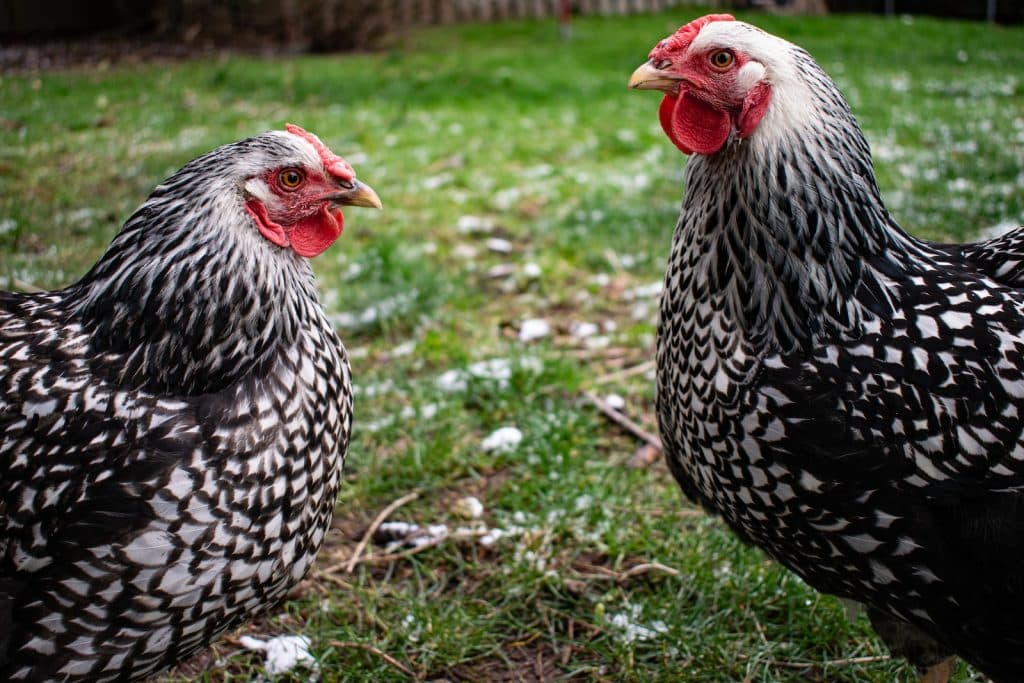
[
  {"x": 360, "y": 195},
  {"x": 647, "y": 77}
]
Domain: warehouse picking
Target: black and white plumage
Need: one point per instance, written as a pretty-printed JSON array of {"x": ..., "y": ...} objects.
[
  {"x": 847, "y": 397},
  {"x": 173, "y": 425}
]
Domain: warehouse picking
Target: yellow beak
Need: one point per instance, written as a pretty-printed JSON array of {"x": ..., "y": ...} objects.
[
  {"x": 647, "y": 77},
  {"x": 360, "y": 195}
]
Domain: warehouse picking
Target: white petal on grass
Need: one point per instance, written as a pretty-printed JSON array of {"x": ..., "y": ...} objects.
[
  {"x": 641, "y": 310},
  {"x": 469, "y": 507},
  {"x": 433, "y": 533},
  {"x": 466, "y": 251},
  {"x": 631, "y": 630},
  {"x": 451, "y": 381},
  {"x": 498, "y": 369},
  {"x": 648, "y": 291},
  {"x": 393, "y": 530},
  {"x": 404, "y": 349},
  {"x": 499, "y": 245},
  {"x": 500, "y": 271},
  {"x": 371, "y": 314},
  {"x": 474, "y": 224},
  {"x": 375, "y": 389},
  {"x": 532, "y": 271},
  {"x": 615, "y": 401},
  {"x": 376, "y": 425},
  {"x": 534, "y": 328},
  {"x": 413, "y": 627},
  {"x": 281, "y": 653},
  {"x": 503, "y": 440},
  {"x": 435, "y": 181},
  {"x": 425, "y": 411},
  {"x": 582, "y": 330}
]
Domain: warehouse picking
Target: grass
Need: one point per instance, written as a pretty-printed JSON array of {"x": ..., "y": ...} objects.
[{"x": 472, "y": 133}]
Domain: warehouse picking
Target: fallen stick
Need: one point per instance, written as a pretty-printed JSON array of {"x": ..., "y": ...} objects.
[
  {"x": 344, "y": 644},
  {"x": 623, "y": 421},
  {"x": 378, "y": 520},
  {"x": 625, "y": 372},
  {"x": 607, "y": 352},
  {"x": 620, "y": 577},
  {"x": 784, "y": 664},
  {"x": 409, "y": 552}
]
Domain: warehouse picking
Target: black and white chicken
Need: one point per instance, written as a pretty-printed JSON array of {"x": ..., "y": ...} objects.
[
  {"x": 173, "y": 425},
  {"x": 847, "y": 397}
]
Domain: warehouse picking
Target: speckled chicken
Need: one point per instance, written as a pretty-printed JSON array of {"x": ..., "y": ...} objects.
[
  {"x": 173, "y": 425},
  {"x": 847, "y": 397}
]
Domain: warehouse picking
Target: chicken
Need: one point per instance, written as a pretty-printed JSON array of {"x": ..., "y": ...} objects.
[
  {"x": 846, "y": 397},
  {"x": 173, "y": 425}
]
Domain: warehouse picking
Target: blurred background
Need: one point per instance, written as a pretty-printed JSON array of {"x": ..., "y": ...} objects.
[{"x": 337, "y": 25}]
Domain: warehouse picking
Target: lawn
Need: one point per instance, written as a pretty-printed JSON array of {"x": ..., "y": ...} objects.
[{"x": 521, "y": 180}]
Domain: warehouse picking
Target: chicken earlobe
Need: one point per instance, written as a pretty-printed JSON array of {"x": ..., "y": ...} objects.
[{"x": 267, "y": 227}]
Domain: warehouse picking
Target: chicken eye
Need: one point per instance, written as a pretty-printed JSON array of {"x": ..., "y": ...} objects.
[
  {"x": 721, "y": 59},
  {"x": 290, "y": 178}
]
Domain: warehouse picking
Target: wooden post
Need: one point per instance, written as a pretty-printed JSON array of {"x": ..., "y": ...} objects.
[{"x": 565, "y": 19}]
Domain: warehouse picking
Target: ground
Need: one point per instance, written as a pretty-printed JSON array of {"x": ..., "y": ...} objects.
[{"x": 521, "y": 181}]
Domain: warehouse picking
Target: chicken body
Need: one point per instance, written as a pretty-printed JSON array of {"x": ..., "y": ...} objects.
[
  {"x": 848, "y": 398},
  {"x": 173, "y": 426}
]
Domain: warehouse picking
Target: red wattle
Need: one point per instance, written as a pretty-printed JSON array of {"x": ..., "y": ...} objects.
[
  {"x": 312, "y": 235},
  {"x": 665, "y": 111},
  {"x": 697, "y": 126}
]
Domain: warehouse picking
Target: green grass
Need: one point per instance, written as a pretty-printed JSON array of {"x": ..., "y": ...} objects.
[{"x": 540, "y": 140}]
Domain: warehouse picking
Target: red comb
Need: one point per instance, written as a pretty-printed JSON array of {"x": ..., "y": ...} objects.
[
  {"x": 682, "y": 38},
  {"x": 335, "y": 165}
]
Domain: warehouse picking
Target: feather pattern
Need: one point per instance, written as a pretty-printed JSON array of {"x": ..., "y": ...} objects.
[
  {"x": 847, "y": 397},
  {"x": 172, "y": 432}
]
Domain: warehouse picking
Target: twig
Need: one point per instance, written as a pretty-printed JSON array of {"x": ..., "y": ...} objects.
[
  {"x": 639, "y": 369},
  {"x": 340, "y": 583},
  {"x": 606, "y": 352},
  {"x": 623, "y": 421},
  {"x": 620, "y": 577},
  {"x": 381, "y": 559},
  {"x": 378, "y": 520},
  {"x": 783, "y": 664},
  {"x": 648, "y": 567},
  {"x": 644, "y": 456},
  {"x": 613, "y": 260},
  {"x": 760, "y": 629},
  {"x": 344, "y": 644}
]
